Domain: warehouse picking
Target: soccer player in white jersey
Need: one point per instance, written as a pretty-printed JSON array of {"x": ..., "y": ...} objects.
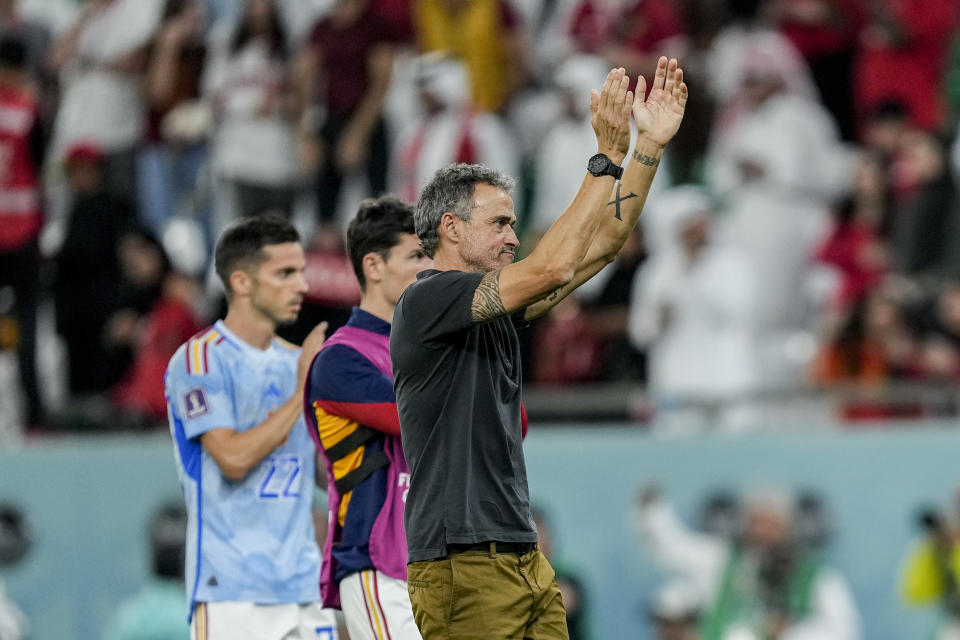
[{"x": 245, "y": 459}]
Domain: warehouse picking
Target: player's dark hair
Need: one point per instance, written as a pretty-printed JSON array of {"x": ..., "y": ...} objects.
[
  {"x": 168, "y": 540},
  {"x": 377, "y": 228},
  {"x": 241, "y": 245}
]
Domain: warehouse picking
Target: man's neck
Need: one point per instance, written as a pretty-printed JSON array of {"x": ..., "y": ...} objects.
[
  {"x": 377, "y": 306},
  {"x": 445, "y": 260},
  {"x": 254, "y": 329}
]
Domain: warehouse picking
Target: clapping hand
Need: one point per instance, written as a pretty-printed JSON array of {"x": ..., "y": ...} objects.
[
  {"x": 658, "y": 115},
  {"x": 610, "y": 115}
]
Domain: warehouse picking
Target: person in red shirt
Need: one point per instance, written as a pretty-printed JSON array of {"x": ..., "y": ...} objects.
[
  {"x": 168, "y": 324},
  {"x": 903, "y": 56},
  {"x": 21, "y": 154},
  {"x": 856, "y": 251}
]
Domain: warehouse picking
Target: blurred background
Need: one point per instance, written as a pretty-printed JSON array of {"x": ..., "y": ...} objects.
[{"x": 744, "y": 428}]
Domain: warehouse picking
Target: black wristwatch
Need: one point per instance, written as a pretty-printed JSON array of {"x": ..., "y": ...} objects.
[{"x": 601, "y": 165}]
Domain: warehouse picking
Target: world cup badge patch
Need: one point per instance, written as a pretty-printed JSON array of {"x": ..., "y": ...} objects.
[{"x": 195, "y": 403}]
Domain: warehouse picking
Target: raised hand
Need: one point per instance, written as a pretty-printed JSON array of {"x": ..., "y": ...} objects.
[
  {"x": 610, "y": 115},
  {"x": 658, "y": 116}
]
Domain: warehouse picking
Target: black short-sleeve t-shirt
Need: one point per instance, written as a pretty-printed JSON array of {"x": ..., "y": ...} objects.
[{"x": 458, "y": 394}]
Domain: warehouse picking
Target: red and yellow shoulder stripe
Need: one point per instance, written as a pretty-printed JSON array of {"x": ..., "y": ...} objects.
[{"x": 196, "y": 352}]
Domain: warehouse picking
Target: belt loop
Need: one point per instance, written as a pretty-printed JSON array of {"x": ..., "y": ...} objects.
[{"x": 493, "y": 549}]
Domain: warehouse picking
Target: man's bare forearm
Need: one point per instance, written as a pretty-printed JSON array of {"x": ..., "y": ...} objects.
[
  {"x": 568, "y": 239},
  {"x": 622, "y": 210}
]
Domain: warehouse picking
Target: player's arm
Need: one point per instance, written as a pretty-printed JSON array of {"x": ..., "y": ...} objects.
[
  {"x": 238, "y": 452},
  {"x": 554, "y": 261},
  {"x": 658, "y": 118}
]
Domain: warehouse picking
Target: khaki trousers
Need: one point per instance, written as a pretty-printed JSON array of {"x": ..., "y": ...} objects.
[{"x": 487, "y": 595}]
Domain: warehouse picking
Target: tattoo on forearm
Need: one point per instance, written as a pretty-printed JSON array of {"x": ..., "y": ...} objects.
[
  {"x": 619, "y": 200},
  {"x": 553, "y": 295},
  {"x": 487, "y": 303},
  {"x": 650, "y": 161}
]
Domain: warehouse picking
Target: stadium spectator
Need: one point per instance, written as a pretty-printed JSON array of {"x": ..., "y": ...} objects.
[
  {"x": 776, "y": 200},
  {"x": 249, "y": 83},
  {"x": 877, "y": 341},
  {"x": 36, "y": 37},
  {"x": 762, "y": 584},
  {"x": 591, "y": 24},
  {"x": 692, "y": 308},
  {"x": 143, "y": 267},
  {"x": 86, "y": 284},
  {"x": 643, "y": 30},
  {"x": 930, "y": 571},
  {"x": 903, "y": 38},
  {"x": 883, "y": 129},
  {"x": 732, "y": 49},
  {"x": 174, "y": 148},
  {"x": 926, "y": 221},
  {"x": 21, "y": 214},
  {"x": 487, "y": 35},
  {"x": 167, "y": 325},
  {"x": 101, "y": 60},
  {"x": 857, "y": 253},
  {"x": 348, "y": 65},
  {"x": 155, "y": 612},
  {"x": 449, "y": 130}
]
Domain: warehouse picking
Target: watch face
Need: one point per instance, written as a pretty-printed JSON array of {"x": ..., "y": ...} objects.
[{"x": 597, "y": 164}]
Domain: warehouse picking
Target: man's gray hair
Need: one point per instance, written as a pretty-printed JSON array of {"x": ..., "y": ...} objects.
[{"x": 451, "y": 189}]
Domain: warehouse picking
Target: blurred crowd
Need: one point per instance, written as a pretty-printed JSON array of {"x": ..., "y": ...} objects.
[
  {"x": 804, "y": 228},
  {"x": 752, "y": 568},
  {"x": 757, "y": 566}
]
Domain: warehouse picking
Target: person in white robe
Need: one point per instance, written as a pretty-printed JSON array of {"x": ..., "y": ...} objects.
[{"x": 692, "y": 308}]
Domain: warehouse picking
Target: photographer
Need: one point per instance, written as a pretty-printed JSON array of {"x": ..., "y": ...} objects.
[
  {"x": 762, "y": 585},
  {"x": 931, "y": 571}
]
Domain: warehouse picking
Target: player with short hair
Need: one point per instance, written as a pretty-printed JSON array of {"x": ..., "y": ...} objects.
[
  {"x": 353, "y": 413},
  {"x": 245, "y": 460}
]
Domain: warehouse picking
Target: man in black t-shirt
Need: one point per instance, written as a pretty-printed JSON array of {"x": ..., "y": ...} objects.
[{"x": 475, "y": 570}]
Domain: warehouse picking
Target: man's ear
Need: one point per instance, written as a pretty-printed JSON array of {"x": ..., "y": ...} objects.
[
  {"x": 372, "y": 265},
  {"x": 450, "y": 226},
  {"x": 241, "y": 283}
]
